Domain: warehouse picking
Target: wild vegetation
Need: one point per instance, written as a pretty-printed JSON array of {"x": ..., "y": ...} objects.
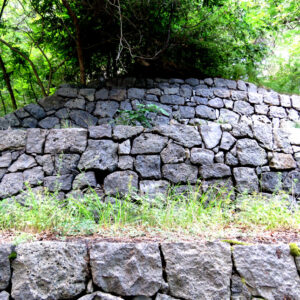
[{"x": 44, "y": 43}]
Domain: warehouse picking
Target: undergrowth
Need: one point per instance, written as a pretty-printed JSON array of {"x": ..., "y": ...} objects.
[{"x": 211, "y": 214}]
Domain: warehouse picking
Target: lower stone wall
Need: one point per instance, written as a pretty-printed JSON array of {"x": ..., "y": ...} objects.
[
  {"x": 110, "y": 159},
  {"x": 145, "y": 271}
]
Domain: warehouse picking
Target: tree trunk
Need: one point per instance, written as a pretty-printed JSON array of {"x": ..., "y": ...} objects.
[
  {"x": 77, "y": 41},
  {"x": 8, "y": 84},
  {"x": 3, "y": 103}
]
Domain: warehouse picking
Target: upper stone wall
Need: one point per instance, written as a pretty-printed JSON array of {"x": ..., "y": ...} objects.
[{"x": 189, "y": 101}]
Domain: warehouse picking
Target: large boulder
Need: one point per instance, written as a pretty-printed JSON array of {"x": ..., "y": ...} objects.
[
  {"x": 198, "y": 271},
  {"x": 101, "y": 155},
  {"x": 49, "y": 270},
  {"x": 269, "y": 271},
  {"x": 127, "y": 269}
]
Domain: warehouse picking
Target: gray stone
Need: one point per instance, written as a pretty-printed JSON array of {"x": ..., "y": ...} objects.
[
  {"x": 101, "y": 94},
  {"x": 206, "y": 268},
  {"x": 12, "y": 139},
  {"x": 59, "y": 183},
  {"x": 22, "y": 113},
  {"x": 35, "y": 110},
  {"x": 294, "y": 136},
  {"x": 117, "y": 94},
  {"x": 148, "y": 143},
  {"x": 217, "y": 170},
  {"x": 243, "y": 108},
  {"x": 99, "y": 132},
  {"x": 125, "y": 162},
  {"x": 206, "y": 112},
  {"x": 216, "y": 103},
  {"x": 154, "y": 188},
  {"x": 186, "y": 135},
  {"x": 62, "y": 113},
  {"x": 49, "y": 122},
  {"x": 246, "y": 179},
  {"x": 34, "y": 176},
  {"x": 261, "y": 109},
  {"x": 66, "y": 140},
  {"x": 124, "y": 132},
  {"x": 173, "y": 153},
  {"x": 66, "y": 163},
  {"x": 151, "y": 98},
  {"x": 239, "y": 96},
  {"x": 228, "y": 103},
  {"x": 255, "y": 98},
  {"x": 241, "y": 85},
  {"x": 277, "y": 112},
  {"x": 5, "y": 160},
  {"x": 211, "y": 135},
  {"x": 29, "y": 123},
  {"x": 101, "y": 155},
  {"x": 209, "y": 81},
  {"x": 24, "y": 162},
  {"x": 83, "y": 118},
  {"x": 228, "y": 116},
  {"x": 221, "y": 93},
  {"x": 249, "y": 153},
  {"x": 227, "y": 141},
  {"x": 200, "y": 100},
  {"x": 75, "y": 104},
  {"x": 67, "y": 92},
  {"x": 164, "y": 297},
  {"x": 202, "y": 156},
  {"x": 49, "y": 270},
  {"x": 271, "y": 182},
  {"x": 239, "y": 289},
  {"x": 127, "y": 269},
  {"x": 252, "y": 88},
  {"x": 35, "y": 140},
  {"x": 268, "y": 270},
  {"x": 171, "y": 90},
  {"x": 134, "y": 93},
  {"x": 84, "y": 180},
  {"x": 11, "y": 184},
  {"x": 106, "y": 109},
  {"x": 121, "y": 182},
  {"x": 47, "y": 163},
  {"x": 292, "y": 182},
  {"x": 219, "y": 157},
  {"x": 148, "y": 166},
  {"x": 180, "y": 173},
  {"x": 88, "y": 94},
  {"x": 293, "y": 115},
  {"x": 243, "y": 128},
  {"x": 5, "y": 272},
  {"x": 187, "y": 112},
  {"x": 296, "y": 102},
  {"x": 192, "y": 81},
  {"x": 9, "y": 121},
  {"x": 220, "y": 82},
  {"x": 154, "y": 91},
  {"x": 271, "y": 98},
  {"x": 282, "y": 161},
  {"x": 205, "y": 93},
  {"x": 4, "y": 295},
  {"x": 281, "y": 140},
  {"x": 285, "y": 100},
  {"x": 172, "y": 99},
  {"x": 186, "y": 91},
  {"x": 124, "y": 148},
  {"x": 263, "y": 133},
  {"x": 52, "y": 103},
  {"x": 99, "y": 296}
]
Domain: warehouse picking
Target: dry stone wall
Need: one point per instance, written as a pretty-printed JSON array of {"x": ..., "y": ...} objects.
[
  {"x": 147, "y": 271},
  {"x": 217, "y": 130}
]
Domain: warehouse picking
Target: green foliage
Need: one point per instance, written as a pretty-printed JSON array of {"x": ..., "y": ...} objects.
[
  {"x": 294, "y": 249},
  {"x": 140, "y": 116},
  {"x": 234, "y": 242}
]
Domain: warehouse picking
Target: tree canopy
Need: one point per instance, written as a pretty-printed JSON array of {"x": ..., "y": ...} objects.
[{"x": 44, "y": 43}]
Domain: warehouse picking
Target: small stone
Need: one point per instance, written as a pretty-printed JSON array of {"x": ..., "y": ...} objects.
[
  {"x": 219, "y": 157},
  {"x": 206, "y": 112},
  {"x": 228, "y": 116},
  {"x": 180, "y": 173},
  {"x": 4, "y": 295},
  {"x": 277, "y": 112},
  {"x": 202, "y": 156},
  {"x": 255, "y": 98},
  {"x": 52, "y": 103},
  {"x": 153, "y": 188},
  {"x": 205, "y": 93},
  {"x": 83, "y": 118},
  {"x": 5, "y": 160},
  {"x": 216, "y": 103},
  {"x": 285, "y": 100},
  {"x": 85, "y": 180},
  {"x": 22, "y": 113},
  {"x": 5, "y": 272},
  {"x": 75, "y": 104},
  {"x": 11, "y": 184},
  {"x": 35, "y": 140},
  {"x": 46, "y": 162},
  {"x": 99, "y": 132},
  {"x": 34, "y": 176},
  {"x": 101, "y": 94},
  {"x": 243, "y": 108},
  {"x": 67, "y": 92},
  {"x": 125, "y": 162},
  {"x": 88, "y": 94},
  {"x": 228, "y": 103},
  {"x": 134, "y": 93},
  {"x": 171, "y": 90},
  {"x": 227, "y": 141},
  {"x": 172, "y": 99},
  {"x": 29, "y": 123},
  {"x": 49, "y": 122},
  {"x": 239, "y": 96},
  {"x": 106, "y": 109},
  {"x": 296, "y": 102},
  {"x": 246, "y": 180},
  {"x": 200, "y": 100},
  {"x": 192, "y": 81},
  {"x": 241, "y": 85},
  {"x": 121, "y": 183},
  {"x": 217, "y": 170},
  {"x": 187, "y": 112},
  {"x": 186, "y": 91},
  {"x": 124, "y": 148},
  {"x": 221, "y": 93},
  {"x": 124, "y": 132},
  {"x": 148, "y": 166},
  {"x": 148, "y": 143},
  {"x": 271, "y": 98},
  {"x": 173, "y": 153},
  {"x": 66, "y": 163},
  {"x": 271, "y": 182},
  {"x": 293, "y": 115},
  {"x": 59, "y": 183},
  {"x": 209, "y": 81},
  {"x": 164, "y": 297},
  {"x": 117, "y": 94},
  {"x": 99, "y": 296},
  {"x": 35, "y": 110},
  {"x": 282, "y": 161},
  {"x": 211, "y": 135},
  {"x": 261, "y": 109},
  {"x": 24, "y": 162}
]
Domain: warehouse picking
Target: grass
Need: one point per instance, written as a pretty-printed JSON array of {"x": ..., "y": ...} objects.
[{"x": 210, "y": 215}]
